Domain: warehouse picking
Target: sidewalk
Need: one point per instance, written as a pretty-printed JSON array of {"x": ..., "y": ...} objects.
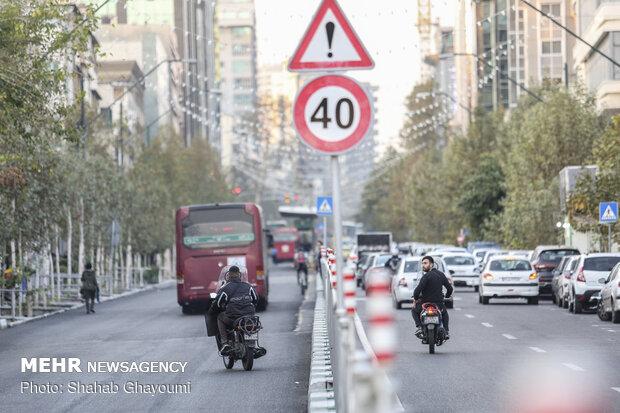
[{"x": 4, "y": 323}]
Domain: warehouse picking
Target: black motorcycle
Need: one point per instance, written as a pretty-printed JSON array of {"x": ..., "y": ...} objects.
[
  {"x": 244, "y": 343},
  {"x": 433, "y": 332}
]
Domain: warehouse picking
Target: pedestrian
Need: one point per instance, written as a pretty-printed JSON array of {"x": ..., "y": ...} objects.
[{"x": 89, "y": 287}]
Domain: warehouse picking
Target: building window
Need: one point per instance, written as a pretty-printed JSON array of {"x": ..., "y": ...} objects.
[
  {"x": 241, "y": 32},
  {"x": 243, "y": 83},
  {"x": 551, "y": 60},
  {"x": 243, "y": 100},
  {"x": 241, "y": 67},
  {"x": 241, "y": 49}
]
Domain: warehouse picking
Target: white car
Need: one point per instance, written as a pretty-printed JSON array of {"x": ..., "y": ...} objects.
[
  {"x": 506, "y": 276},
  {"x": 481, "y": 252},
  {"x": 408, "y": 276},
  {"x": 463, "y": 269},
  {"x": 588, "y": 280},
  {"x": 610, "y": 296}
]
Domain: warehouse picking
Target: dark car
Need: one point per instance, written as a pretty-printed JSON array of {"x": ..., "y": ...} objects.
[
  {"x": 556, "y": 282},
  {"x": 545, "y": 259}
]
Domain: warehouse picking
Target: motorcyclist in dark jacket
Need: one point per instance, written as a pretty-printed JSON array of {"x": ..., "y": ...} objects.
[
  {"x": 430, "y": 290},
  {"x": 235, "y": 299}
]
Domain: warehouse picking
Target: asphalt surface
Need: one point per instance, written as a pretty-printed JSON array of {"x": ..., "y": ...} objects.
[
  {"x": 508, "y": 357},
  {"x": 150, "y": 327}
]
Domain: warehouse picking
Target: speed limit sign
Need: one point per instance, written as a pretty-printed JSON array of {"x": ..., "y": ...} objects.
[{"x": 332, "y": 114}]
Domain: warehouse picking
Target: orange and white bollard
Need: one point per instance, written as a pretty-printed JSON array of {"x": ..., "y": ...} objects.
[
  {"x": 382, "y": 331},
  {"x": 349, "y": 291},
  {"x": 331, "y": 260}
]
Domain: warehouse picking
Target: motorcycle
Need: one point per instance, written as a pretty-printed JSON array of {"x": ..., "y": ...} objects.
[
  {"x": 243, "y": 335},
  {"x": 433, "y": 332}
]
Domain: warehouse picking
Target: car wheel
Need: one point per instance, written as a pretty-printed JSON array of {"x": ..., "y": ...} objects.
[
  {"x": 479, "y": 299},
  {"x": 615, "y": 315},
  {"x": 600, "y": 311},
  {"x": 577, "y": 307},
  {"x": 560, "y": 302},
  {"x": 485, "y": 300},
  {"x": 398, "y": 304},
  {"x": 187, "y": 310},
  {"x": 262, "y": 304},
  {"x": 476, "y": 288},
  {"x": 532, "y": 301},
  {"x": 564, "y": 302},
  {"x": 554, "y": 299}
]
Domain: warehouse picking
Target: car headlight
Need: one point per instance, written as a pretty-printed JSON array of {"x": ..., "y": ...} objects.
[{"x": 533, "y": 276}]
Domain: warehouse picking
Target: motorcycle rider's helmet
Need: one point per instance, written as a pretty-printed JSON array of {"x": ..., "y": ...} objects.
[{"x": 233, "y": 273}]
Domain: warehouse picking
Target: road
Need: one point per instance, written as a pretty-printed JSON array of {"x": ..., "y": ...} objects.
[
  {"x": 508, "y": 356},
  {"x": 150, "y": 327}
]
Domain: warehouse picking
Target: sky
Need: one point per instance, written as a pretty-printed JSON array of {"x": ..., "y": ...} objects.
[{"x": 387, "y": 29}]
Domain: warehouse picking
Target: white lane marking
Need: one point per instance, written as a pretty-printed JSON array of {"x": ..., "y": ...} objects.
[
  {"x": 469, "y": 316},
  {"x": 616, "y": 389},
  {"x": 537, "y": 349},
  {"x": 612, "y": 331},
  {"x": 573, "y": 367},
  {"x": 487, "y": 325},
  {"x": 509, "y": 337},
  {"x": 458, "y": 298},
  {"x": 595, "y": 325},
  {"x": 458, "y": 308}
]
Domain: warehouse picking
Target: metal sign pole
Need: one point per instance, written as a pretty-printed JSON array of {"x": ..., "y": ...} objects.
[
  {"x": 325, "y": 231},
  {"x": 338, "y": 230},
  {"x": 609, "y": 237}
]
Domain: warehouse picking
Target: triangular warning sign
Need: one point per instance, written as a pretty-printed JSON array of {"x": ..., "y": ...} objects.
[
  {"x": 330, "y": 43},
  {"x": 609, "y": 215},
  {"x": 325, "y": 207}
]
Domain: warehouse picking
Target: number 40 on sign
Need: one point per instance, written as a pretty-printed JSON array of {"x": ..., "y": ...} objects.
[{"x": 332, "y": 114}]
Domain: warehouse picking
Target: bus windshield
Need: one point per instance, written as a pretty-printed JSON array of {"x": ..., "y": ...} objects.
[{"x": 216, "y": 228}]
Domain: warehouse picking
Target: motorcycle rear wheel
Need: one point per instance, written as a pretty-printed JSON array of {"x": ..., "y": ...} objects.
[
  {"x": 431, "y": 341},
  {"x": 229, "y": 362},
  {"x": 248, "y": 359}
]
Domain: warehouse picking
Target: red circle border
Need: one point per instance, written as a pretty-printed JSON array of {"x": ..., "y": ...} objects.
[{"x": 356, "y": 136}]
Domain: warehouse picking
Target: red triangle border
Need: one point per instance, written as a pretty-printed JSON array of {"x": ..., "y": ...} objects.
[{"x": 366, "y": 61}]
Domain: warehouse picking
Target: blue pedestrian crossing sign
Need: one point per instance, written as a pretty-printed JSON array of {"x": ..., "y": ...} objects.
[
  {"x": 324, "y": 205},
  {"x": 608, "y": 212}
]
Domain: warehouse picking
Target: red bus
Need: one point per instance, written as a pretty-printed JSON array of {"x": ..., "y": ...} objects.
[
  {"x": 284, "y": 243},
  {"x": 209, "y": 237}
]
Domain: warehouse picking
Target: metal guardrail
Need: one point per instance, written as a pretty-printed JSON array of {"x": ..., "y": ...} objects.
[
  {"x": 48, "y": 292},
  {"x": 361, "y": 384}
]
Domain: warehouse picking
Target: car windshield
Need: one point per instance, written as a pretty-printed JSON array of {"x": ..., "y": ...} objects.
[
  {"x": 412, "y": 266},
  {"x": 605, "y": 264},
  {"x": 381, "y": 260},
  {"x": 459, "y": 260},
  {"x": 510, "y": 265},
  {"x": 480, "y": 254},
  {"x": 555, "y": 256}
]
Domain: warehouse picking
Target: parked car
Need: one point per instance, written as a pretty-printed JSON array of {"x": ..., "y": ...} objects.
[
  {"x": 479, "y": 253},
  {"x": 544, "y": 260},
  {"x": 376, "y": 260},
  {"x": 568, "y": 272},
  {"x": 610, "y": 297},
  {"x": 408, "y": 276},
  {"x": 463, "y": 269},
  {"x": 558, "y": 276},
  {"x": 588, "y": 280},
  {"x": 505, "y": 276},
  {"x": 488, "y": 255},
  {"x": 487, "y": 245}
]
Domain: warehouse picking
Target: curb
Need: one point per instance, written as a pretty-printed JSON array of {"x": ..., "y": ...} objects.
[
  {"x": 321, "y": 381},
  {"x": 5, "y": 323}
]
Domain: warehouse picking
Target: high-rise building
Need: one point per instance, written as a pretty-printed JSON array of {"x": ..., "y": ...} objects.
[
  {"x": 598, "y": 22},
  {"x": 153, "y": 47},
  {"x": 514, "y": 48},
  {"x": 192, "y": 23},
  {"x": 236, "y": 54}
]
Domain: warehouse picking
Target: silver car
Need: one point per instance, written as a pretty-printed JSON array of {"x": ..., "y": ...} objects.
[
  {"x": 463, "y": 269},
  {"x": 408, "y": 276}
]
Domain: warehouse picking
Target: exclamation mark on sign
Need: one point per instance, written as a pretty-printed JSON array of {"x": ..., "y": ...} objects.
[{"x": 329, "y": 28}]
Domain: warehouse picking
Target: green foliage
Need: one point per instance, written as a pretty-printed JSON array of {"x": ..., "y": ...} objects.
[{"x": 500, "y": 180}]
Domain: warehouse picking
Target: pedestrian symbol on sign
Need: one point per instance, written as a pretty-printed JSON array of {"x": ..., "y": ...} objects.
[
  {"x": 324, "y": 205},
  {"x": 608, "y": 212}
]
